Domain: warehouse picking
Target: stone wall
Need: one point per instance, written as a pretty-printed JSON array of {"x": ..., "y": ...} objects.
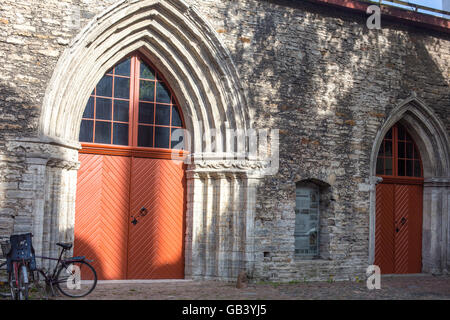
[
  {"x": 328, "y": 83},
  {"x": 317, "y": 74}
]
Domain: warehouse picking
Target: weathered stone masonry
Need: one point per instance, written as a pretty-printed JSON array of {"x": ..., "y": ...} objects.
[{"x": 330, "y": 85}]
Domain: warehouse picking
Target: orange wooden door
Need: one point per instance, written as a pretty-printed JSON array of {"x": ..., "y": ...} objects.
[
  {"x": 112, "y": 189},
  {"x": 156, "y": 240},
  {"x": 101, "y": 219},
  {"x": 398, "y": 233}
]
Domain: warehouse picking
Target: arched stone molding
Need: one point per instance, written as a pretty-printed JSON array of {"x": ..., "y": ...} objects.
[
  {"x": 178, "y": 42},
  {"x": 433, "y": 143},
  {"x": 221, "y": 191}
]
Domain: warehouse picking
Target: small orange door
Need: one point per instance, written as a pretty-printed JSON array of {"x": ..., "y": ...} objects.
[
  {"x": 398, "y": 234},
  {"x": 398, "y": 220}
]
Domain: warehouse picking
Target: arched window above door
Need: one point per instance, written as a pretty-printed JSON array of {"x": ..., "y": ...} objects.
[
  {"x": 131, "y": 106},
  {"x": 398, "y": 155}
]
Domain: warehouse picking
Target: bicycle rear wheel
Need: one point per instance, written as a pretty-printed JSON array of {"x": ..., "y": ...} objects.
[
  {"x": 24, "y": 282},
  {"x": 76, "y": 279},
  {"x": 19, "y": 283}
]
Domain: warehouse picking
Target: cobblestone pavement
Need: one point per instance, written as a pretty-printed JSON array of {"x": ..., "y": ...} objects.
[{"x": 392, "y": 288}]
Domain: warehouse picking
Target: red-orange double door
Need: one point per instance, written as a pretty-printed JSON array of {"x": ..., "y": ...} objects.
[
  {"x": 111, "y": 192},
  {"x": 398, "y": 231}
]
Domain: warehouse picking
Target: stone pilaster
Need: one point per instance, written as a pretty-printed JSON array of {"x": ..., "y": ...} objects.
[{"x": 436, "y": 226}]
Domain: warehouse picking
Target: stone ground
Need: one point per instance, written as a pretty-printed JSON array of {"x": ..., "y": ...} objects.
[
  {"x": 422, "y": 287},
  {"x": 392, "y": 288}
]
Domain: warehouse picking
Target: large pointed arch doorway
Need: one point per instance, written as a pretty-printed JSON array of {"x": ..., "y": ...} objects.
[
  {"x": 130, "y": 201},
  {"x": 399, "y": 203}
]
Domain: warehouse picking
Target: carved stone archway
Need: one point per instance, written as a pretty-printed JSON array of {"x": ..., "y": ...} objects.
[
  {"x": 221, "y": 192},
  {"x": 434, "y": 146}
]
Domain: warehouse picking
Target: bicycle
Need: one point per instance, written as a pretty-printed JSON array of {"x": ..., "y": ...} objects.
[
  {"x": 20, "y": 261},
  {"x": 74, "y": 277}
]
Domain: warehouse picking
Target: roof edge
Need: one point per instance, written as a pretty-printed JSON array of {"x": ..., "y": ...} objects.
[{"x": 416, "y": 18}]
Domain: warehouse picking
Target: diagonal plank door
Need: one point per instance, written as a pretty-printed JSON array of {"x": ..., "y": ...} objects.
[
  {"x": 155, "y": 247},
  {"x": 408, "y": 228},
  {"x": 398, "y": 231},
  {"x": 384, "y": 233},
  {"x": 102, "y": 207}
]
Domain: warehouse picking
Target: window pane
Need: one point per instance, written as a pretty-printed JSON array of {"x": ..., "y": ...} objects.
[
  {"x": 389, "y": 134},
  {"x": 146, "y": 112},
  {"x": 388, "y": 166},
  {"x": 162, "y": 93},
  {"x": 401, "y": 167},
  {"x": 121, "y": 88},
  {"x": 177, "y": 139},
  {"x": 102, "y": 132},
  {"x": 103, "y": 110},
  {"x": 416, "y": 153},
  {"x": 307, "y": 221},
  {"x": 120, "y": 134},
  {"x": 162, "y": 115},
  {"x": 162, "y": 137},
  {"x": 86, "y": 131},
  {"x": 401, "y": 149},
  {"x": 89, "y": 110},
  {"x": 380, "y": 166},
  {"x": 417, "y": 169},
  {"x": 147, "y": 72},
  {"x": 176, "y": 119},
  {"x": 381, "y": 151},
  {"x": 409, "y": 150},
  {"x": 123, "y": 68},
  {"x": 121, "y": 110},
  {"x": 145, "y": 136},
  {"x": 104, "y": 87},
  {"x": 409, "y": 168},
  {"x": 388, "y": 148},
  {"x": 401, "y": 133},
  {"x": 147, "y": 91},
  {"x": 407, "y": 136}
]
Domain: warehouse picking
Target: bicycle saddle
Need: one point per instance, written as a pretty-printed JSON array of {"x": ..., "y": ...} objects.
[{"x": 65, "y": 245}]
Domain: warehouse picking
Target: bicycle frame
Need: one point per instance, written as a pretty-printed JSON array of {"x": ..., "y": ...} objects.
[{"x": 50, "y": 278}]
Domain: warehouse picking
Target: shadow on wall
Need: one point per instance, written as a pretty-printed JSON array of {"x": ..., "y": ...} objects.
[
  {"x": 16, "y": 110},
  {"x": 323, "y": 78}
]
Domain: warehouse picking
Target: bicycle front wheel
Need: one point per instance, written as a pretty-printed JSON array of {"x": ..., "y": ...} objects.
[{"x": 76, "y": 279}]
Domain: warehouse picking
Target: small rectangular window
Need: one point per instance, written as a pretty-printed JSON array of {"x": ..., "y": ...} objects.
[
  {"x": 307, "y": 221},
  {"x": 145, "y": 136},
  {"x": 162, "y": 136},
  {"x": 87, "y": 131},
  {"x": 120, "y": 134},
  {"x": 102, "y": 132}
]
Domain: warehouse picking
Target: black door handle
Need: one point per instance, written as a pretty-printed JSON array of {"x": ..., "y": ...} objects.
[
  {"x": 403, "y": 221},
  {"x": 143, "y": 212}
]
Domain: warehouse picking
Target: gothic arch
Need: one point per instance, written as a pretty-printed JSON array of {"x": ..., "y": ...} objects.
[
  {"x": 427, "y": 131},
  {"x": 200, "y": 71},
  {"x": 177, "y": 41},
  {"x": 433, "y": 143}
]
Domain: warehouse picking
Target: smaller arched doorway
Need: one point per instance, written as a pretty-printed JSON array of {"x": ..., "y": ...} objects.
[
  {"x": 399, "y": 203},
  {"x": 130, "y": 201}
]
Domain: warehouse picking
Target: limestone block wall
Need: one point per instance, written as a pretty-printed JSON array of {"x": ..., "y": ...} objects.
[
  {"x": 328, "y": 83},
  {"x": 316, "y": 74}
]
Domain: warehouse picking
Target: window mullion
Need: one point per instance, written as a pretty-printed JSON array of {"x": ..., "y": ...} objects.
[{"x": 134, "y": 101}]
